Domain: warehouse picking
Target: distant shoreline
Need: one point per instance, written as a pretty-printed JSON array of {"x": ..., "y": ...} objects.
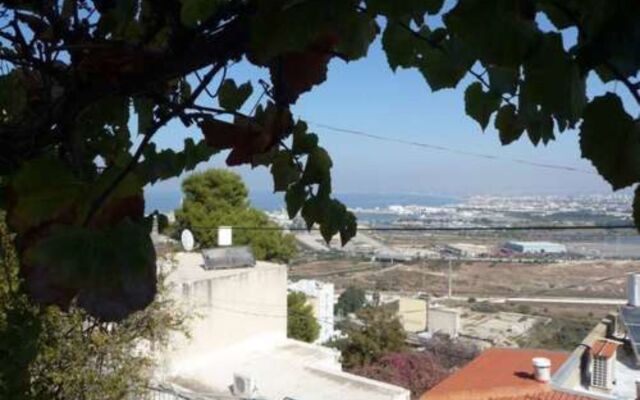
[{"x": 169, "y": 201}]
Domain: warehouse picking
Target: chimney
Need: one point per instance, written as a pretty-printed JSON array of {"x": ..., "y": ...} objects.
[
  {"x": 542, "y": 369},
  {"x": 225, "y": 236},
  {"x": 633, "y": 289}
]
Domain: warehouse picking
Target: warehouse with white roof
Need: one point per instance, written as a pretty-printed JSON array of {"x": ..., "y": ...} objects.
[{"x": 535, "y": 247}]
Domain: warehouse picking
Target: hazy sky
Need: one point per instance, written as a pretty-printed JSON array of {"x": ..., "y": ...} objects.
[{"x": 367, "y": 96}]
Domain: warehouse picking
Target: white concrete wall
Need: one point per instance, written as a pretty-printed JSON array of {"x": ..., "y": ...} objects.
[
  {"x": 321, "y": 296},
  {"x": 227, "y": 307},
  {"x": 443, "y": 320},
  {"x": 413, "y": 314}
]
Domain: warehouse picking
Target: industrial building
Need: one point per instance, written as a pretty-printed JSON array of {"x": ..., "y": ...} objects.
[
  {"x": 535, "y": 247},
  {"x": 466, "y": 250}
]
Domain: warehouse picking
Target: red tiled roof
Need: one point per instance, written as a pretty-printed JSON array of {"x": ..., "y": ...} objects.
[
  {"x": 604, "y": 348},
  {"x": 552, "y": 395},
  {"x": 500, "y": 374}
]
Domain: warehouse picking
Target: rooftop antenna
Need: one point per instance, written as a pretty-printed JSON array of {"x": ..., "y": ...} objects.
[{"x": 187, "y": 240}]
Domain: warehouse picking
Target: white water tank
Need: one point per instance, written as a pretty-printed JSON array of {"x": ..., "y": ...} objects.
[
  {"x": 542, "y": 369},
  {"x": 225, "y": 236},
  {"x": 633, "y": 289}
]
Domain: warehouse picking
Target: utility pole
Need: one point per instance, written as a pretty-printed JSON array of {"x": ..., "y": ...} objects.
[{"x": 450, "y": 289}]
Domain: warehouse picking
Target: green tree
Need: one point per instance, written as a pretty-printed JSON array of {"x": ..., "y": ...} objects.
[
  {"x": 378, "y": 333},
  {"x": 301, "y": 323},
  {"x": 48, "y": 353},
  {"x": 351, "y": 300},
  {"x": 219, "y": 197},
  {"x": 76, "y": 76}
]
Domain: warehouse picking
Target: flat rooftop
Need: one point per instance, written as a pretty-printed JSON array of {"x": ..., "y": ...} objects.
[
  {"x": 289, "y": 369},
  {"x": 187, "y": 267}
]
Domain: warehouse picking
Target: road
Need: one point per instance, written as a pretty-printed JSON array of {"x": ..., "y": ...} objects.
[{"x": 556, "y": 300}]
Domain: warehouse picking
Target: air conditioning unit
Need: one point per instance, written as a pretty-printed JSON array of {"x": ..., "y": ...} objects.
[{"x": 244, "y": 386}]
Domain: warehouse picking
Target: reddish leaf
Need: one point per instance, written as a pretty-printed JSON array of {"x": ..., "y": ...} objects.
[
  {"x": 246, "y": 138},
  {"x": 295, "y": 73}
]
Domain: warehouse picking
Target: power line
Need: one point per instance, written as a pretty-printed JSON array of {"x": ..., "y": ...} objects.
[
  {"x": 436, "y": 228},
  {"x": 450, "y": 149}
]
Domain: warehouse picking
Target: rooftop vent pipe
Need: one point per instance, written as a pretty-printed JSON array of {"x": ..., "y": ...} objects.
[{"x": 542, "y": 369}]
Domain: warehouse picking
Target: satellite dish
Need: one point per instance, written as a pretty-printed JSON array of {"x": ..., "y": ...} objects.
[{"x": 187, "y": 240}]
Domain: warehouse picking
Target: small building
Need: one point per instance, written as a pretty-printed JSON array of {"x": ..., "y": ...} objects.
[
  {"x": 535, "y": 247},
  {"x": 466, "y": 250},
  {"x": 237, "y": 346},
  {"x": 443, "y": 320},
  {"x": 412, "y": 313},
  {"x": 320, "y": 296}
]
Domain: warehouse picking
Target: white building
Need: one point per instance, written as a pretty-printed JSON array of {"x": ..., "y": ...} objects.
[
  {"x": 536, "y": 247},
  {"x": 238, "y": 346},
  {"x": 320, "y": 296},
  {"x": 443, "y": 320},
  {"x": 607, "y": 364}
]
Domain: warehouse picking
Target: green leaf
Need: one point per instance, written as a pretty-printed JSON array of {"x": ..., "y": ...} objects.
[
  {"x": 537, "y": 120},
  {"x": 479, "y": 105},
  {"x": 444, "y": 66},
  {"x": 303, "y": 142},
  {"x": 399, "y": 45},
  {"x": 276, "y": 29},
  {"x": 391, "y": 8},
  {"x": 169, "y": 163},
  {"x": 496, "y": 31},
  {"x": 284, "y": 171},
  {"x": 554, "y": 81},
  {"x": 295, "y": 197},
  {"x": 318, "y": 166},
  {"x": 349, "y": 228},
  {"x": 194, "y": 12},
  {"x": 231, "y": 96},
  {"x": 540, "y": 127},
  {"x": 610, "y": 138},
  {"x": 508, "y": 125},
  {"x": 13, "y": 96},
  {"x": 312, "y": 211},
  {"x": 356, "y": 31},
  {"x": 503, "y": 79},
  {"x": 144, "y": 108},
  {"x": 332, "y": 218},
  {"x": 44, "y": 189},
  {"x": 111, "y": 270}
]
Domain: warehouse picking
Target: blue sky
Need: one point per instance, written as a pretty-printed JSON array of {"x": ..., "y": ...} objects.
[{"x": 366, "y": 95}]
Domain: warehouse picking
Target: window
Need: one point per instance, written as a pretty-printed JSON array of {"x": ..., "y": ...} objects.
[
  {"x": 599, "y": 377},
  {"x": 186, "y": 290}
]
